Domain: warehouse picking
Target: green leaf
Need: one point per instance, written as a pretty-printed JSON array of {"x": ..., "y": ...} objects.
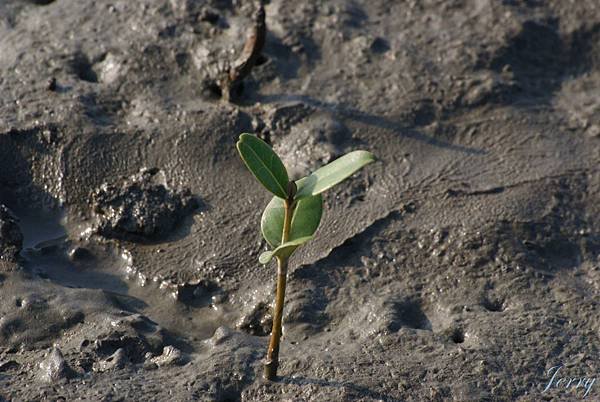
[
  {"x": 331, "y": 174},
  {"x": 264, "y": 164},
  {"x": 285, "y": 250},
  {"x": 305, "y": 219}
]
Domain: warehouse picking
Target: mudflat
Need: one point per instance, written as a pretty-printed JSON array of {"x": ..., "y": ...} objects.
[{"x": 463, "y": 265}]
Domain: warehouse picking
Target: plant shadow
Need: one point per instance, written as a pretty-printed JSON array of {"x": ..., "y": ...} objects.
[
  {"x": 371, "y": 120},
  {"x": 356, "y": 391}
]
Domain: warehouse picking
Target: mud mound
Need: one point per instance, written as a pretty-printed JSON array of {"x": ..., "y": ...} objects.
[{"x": 140, "y": 207}]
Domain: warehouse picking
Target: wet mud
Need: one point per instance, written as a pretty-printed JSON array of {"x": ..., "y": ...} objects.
[{"x": 463, "y": 265}]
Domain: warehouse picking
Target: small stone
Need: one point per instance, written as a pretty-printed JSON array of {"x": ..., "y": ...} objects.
[
  {"x": 54, "y": 367},
  {"x": 49, "y": 135},
  {"x": 170, "y": 356},
  {"x": 117, "y": 360},
  {"x": 221, "y": 335}
]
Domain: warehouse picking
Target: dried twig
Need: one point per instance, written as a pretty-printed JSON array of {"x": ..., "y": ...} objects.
[{"x": 255, "y": 41}]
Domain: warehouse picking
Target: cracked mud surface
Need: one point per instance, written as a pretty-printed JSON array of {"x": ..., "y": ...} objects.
[{"x": 463, "y": 265}]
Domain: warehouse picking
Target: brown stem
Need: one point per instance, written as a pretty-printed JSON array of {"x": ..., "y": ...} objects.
[{"x": 272, "y": 361}]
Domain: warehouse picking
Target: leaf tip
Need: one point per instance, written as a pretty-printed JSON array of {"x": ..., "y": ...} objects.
[{"x": 368, "y": 156}]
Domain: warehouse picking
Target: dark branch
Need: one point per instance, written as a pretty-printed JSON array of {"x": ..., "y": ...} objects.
[{"x": 255, "y": 41}]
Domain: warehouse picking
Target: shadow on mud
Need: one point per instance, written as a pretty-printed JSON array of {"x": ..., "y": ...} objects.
[
  {"x": 358, "y": 390},
  {"x": 371, "y": 120}
]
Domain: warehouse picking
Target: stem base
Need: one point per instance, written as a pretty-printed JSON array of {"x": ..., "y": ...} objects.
[{"x": 272, "y": 360}]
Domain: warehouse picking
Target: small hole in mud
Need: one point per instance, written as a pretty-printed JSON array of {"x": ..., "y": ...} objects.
[
  {"x": 380, "y": 46},
  {"x": 42, "y": 2},
  {"x": 19, "y": 302},
  {"x": 266, "y": 137},
  {"x": 183, "y": 61},
  {"x": 410, "y": 314},
  {"x": 237, "y": 90},
  {"x": 458, "y": 336},
  {"x": 212, "y": 89},
  {"x": 261, "y": 59},
  {"x": 210, "y": 16},
  {"x": 82, "y": 67}
]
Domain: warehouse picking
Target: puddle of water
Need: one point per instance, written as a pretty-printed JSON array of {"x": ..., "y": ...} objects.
[
  {"x": 55, "y": 249},
  {"x": 38, "y": 226}
]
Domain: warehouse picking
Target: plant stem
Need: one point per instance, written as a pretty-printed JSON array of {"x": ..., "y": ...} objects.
[{"x": 272, "y": 361}]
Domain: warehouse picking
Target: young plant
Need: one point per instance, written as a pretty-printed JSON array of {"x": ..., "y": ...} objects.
[{"x": 292, "y": 216}]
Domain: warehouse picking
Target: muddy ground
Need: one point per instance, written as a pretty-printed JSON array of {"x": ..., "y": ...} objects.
[{"x": 464, "y": 265}]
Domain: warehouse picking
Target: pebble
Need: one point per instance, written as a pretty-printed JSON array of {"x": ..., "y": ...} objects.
[
  {"x": 54, "y": 367},
  {"x": 117, "y": 360},
  {"x": 171, "y": 356}
]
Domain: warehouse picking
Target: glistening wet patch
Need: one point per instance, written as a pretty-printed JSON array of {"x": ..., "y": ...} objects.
[{"x": 56, "y": 250}]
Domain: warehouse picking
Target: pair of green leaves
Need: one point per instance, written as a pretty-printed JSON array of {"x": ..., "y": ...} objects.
[{"x": 270, "y": 171}]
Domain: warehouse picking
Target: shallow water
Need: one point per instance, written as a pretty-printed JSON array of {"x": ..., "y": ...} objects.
[{"x": 63, "y": 251}]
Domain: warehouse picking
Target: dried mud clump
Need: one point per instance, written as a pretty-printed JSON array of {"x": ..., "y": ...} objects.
[
  {"x": 257, "y": 322},
  {"x": 11, "y": 238},
  {"x": 140, "y": 208},
  {"x": 129, "y": 339},
  {"x": 54, "y": 367},
  {"x": 171, "y": 356}
]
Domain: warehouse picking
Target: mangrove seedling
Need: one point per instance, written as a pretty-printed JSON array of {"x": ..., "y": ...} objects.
[{"x": 292, "y": 216}]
